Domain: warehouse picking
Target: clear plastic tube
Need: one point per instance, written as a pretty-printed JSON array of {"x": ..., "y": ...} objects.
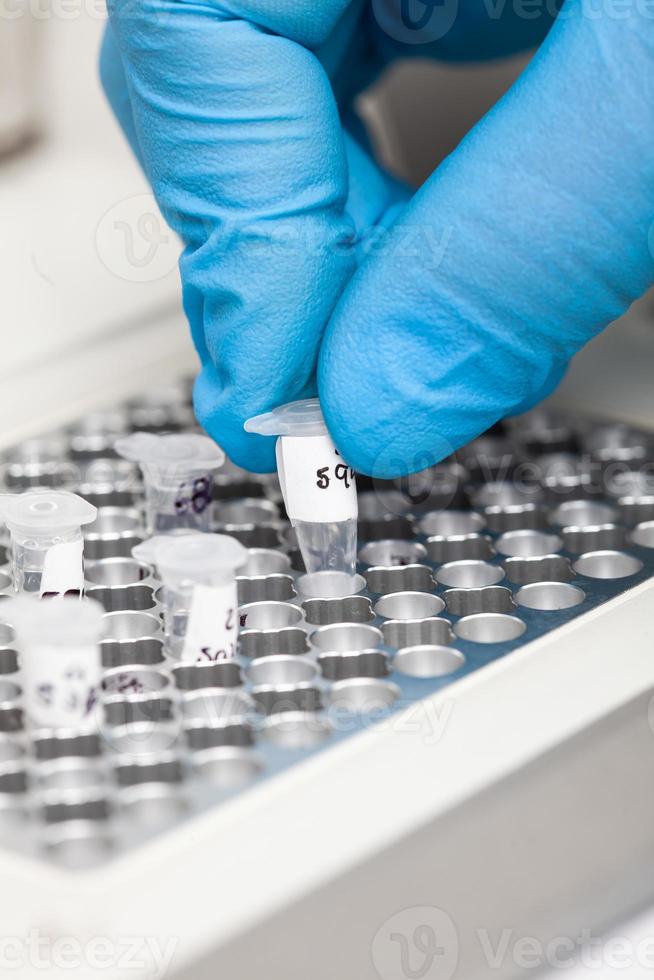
[
  {"x": 200, "y": 594},
  {"x": 46, "y": 540},
  {"x": 178, "y": 478},
  {"x": 61, "y": 668},
  {"x": 318, "y": 486}
]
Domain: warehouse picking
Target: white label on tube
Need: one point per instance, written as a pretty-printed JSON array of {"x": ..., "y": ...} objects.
[
  {"x": 317, "y": 485},
  {"x": 212, "y": 626},
  {"x": 63, "y": 570},
  {"x": 60, "y": 684}
]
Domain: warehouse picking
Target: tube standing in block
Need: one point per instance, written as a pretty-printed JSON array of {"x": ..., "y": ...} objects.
[
  {"x": 46, "y": 540},
  {"x": 178, "y": 477},
  {"x": 59, "y": 646},
  {"x": 200, "y": 594},
  {"x": 319, "y": 487}
]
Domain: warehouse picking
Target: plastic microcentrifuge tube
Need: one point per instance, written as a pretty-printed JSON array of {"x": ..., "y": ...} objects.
[
  {"x": 177, "y": 472},
  {"x": 59, "y": 646},
  {"x": 200, "y": 593},
  {"x": 319, "y": 488},
  {"x": 46, "y": 539}
]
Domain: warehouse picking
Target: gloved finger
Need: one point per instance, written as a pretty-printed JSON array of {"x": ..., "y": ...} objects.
[
  {"x": 243, "y": 146},
  {"x": 552, "y": 383},
  {"x": 530, "y": 238},
  {"x": 114, "y": 83},
  {"x": 304, "y": 21}
]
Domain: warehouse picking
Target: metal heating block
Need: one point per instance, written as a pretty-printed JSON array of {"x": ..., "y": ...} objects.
[{"x": 470, "y": 730}]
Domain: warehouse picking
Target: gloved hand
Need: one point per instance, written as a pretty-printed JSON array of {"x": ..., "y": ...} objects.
[{"x": 529, "y": 239}]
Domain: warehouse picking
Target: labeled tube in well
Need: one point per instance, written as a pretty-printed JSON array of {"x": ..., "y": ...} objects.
[
  {"x": 46, "y": 540},
  {"x": 61, "y": 668},
  {"x": 319, "y": 487},
  {"x": 200, "y": 592},
  {"x": 178, "y": 478}
]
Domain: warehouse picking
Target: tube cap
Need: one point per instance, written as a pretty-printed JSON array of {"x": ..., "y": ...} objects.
[
  {"x": 303, "y": 418},
  {"x": 182, "y": 453},
  {"x": 43, "y": 510},
  {"x": 54, "y": 621},
  {"x": 192, "y": 557}
]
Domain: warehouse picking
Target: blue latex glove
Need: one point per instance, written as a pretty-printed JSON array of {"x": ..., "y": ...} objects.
[{"x": 540, "y": 217}]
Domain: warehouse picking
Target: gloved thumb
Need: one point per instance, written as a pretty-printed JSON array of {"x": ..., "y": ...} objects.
[{"x": 527, "y": 241}]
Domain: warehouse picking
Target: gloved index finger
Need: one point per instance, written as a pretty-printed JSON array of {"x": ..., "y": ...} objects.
[
  {"x": 242, "y": 142},
  {"x": 306, "y": 21}
]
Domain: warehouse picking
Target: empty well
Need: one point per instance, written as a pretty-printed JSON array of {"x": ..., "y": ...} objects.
[
  {"x": 282, "y": 698},
  {"x": 50, "y": 745},
  {"x": 551, "y": 568},
  {"x": 409, "y": 605},
  {"x": 469, "y": 574},
  {"x": 78, "y": 844},
  {"x": 292, "y": 640},
  {"x": 528, "y": 544},
  {"x": 411, "y": 578},
  {"x": 467, "y": 547},
  {"x": 428, "y": 661},
  {"x": 297, "y": 729},
  {"x": 643, "y": 535},
  {"x": 430, "y": 632},
  {"x": 228, "y": 767},
  {"x": 392, "y": 552},
  {"x": 363, "y": 695},
  {"x": 8, "y": 661},
  {"x": 281, "y": 670},
  {"x": 269, "y": 615},
  {"x": 608, "y": 565},
  {"x": 583, "y": 513},
  {"x": 122, "y": 653},
  {"x": 10, "y": 749},
  {"x": 550, "y": 596},
  {"x": 450, "y": 523},
  {"x": 341, "y": 666},
  {"x": 603, "y": 537},
  {"x": 115, "y": 572},
  {"x": 199, "y": 736},
  {"x": 489, "y": 628},
  {"x": 69, "y": 774},
  {"x": 329, "y": 585},
  {"x": 636, "y": 510},
  {"x": 142, "y": 737},
  {"x": 114, "y": 599},
  {"x": 217, "y": 707},
  {"x": 346, "y": 638},
  {"x": 468, "y": 602},
  {"x": 265, "y": 561},
  {"x": 150, "y": 707},
  {"x": 516, "y": 518},
  {"x": 242, "y": 512},
  {"x": 324, "y": 612},
  {"x": 198, "y": 677},
  {"x": 265, "y": 588},
  {"x": 131, "y": 625},
  {"x": 498, "y": 494}
]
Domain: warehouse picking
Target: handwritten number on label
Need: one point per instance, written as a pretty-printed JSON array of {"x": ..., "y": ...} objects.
[
  {"x": 198, "y": 499},
  {"x": 342, "y": 473}
]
